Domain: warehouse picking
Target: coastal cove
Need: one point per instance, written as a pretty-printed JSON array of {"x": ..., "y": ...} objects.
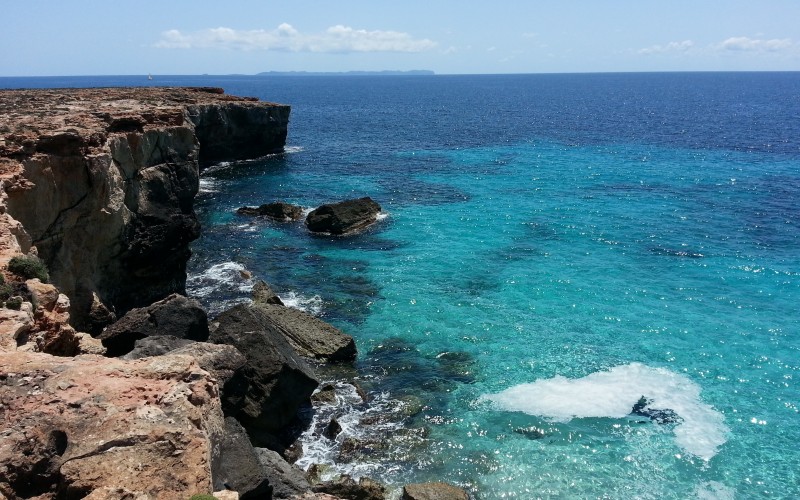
[{"x": 578, "y": 286}]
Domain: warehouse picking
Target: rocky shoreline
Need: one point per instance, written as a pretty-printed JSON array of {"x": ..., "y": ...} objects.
[{"x": 113, "y": 384}]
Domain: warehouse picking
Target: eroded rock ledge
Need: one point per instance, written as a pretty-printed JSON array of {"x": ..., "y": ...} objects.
[{"x": 102, "y": 183}]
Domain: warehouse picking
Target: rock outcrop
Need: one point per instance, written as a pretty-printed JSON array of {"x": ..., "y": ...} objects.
[
  {"x": 71, "y": 426},
  {"x": 175, "y": 315},
  {"x": 102, "y": 182},
  {"x": 309, "y": 336},
  {"x": 267, "y": 392},
  {"x": 286, "y": 479},
  {"x": 279, "y": 211},
  {"x": 238, "y": 467},
  {"x": 219, "y": 360},
  {"x": 344, "y": 217},
  {"x": 433, "y": 491}
]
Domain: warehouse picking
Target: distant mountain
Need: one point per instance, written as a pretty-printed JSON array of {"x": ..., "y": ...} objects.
[{"x": 346, "y": 73}]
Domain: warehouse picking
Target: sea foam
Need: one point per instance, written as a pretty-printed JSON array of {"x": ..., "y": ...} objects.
[{"x": 613, "y": 393}]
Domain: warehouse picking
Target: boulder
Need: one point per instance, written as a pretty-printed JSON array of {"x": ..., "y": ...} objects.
[
  {"x": 332, "y": 429},
  {"x": 220, "y": 360},
  {"x": 263, "y": 294},
  {"x": 279, "y": 211},
  {"x": 309, "y": 336},
  {"x": 346, "y": 487},
  {"x": 325, "y": 395},
  {"x": 73, "y": 426},
  {"x": 344, "y": 217},
  {"x": 433, "y": 491},
  {"x": 287, "y": 480},
  {"x": 267, "y": 392},
  {"x": 237, "y": 467},
  {"x": 175, "y": 315}
]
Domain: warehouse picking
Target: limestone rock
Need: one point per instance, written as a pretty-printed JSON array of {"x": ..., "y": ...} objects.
[
  {"x": 237, "y": 467},
  {"x": 157, "y": 345},
  {"x": 346, "y": 487},
  {"x": 344, "y": 217},
  {"x": 309, "y": 336},
  {"x": 73, "y": 426},
  {"x": 220, "y": 360},
  {"x": 287, "y": 480},
  {"x": 279, "y": 211},
  {"x": 266, "y": 393},
  {"x": 175, "y": 315},
  {"x": 98, "y": 317},
  {"x": 325, "y": 394},
  {"x": 102, "y": 182},
  {"x": 263, "y": 294},
  {"x": 14, "y": 326},
  {"x": 45, "y": 294},
  {"x": 433, "y": 491}
]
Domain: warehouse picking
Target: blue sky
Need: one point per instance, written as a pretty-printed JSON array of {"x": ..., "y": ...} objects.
[{"x": 88, "y": 37}]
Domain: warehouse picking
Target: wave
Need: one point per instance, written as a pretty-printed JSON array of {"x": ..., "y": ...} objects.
[
  {"x": 613, "y": 394},
  {"x": 221, "y": 286},
  {"x": 208, "y": 185},
  {"x": 312, "y": 305},
  {"x": 377, "y": 424}
]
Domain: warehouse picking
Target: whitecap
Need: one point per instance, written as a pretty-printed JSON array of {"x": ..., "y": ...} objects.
[
  {"x": 231, "y": 275},
  {"x": 312, "y": 305},
  {"x": 208, "y": 185},
  {"x": 613, "y": 393}
]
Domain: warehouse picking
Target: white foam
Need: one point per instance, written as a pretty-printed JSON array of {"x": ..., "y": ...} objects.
[
  {"x": 613, "y": 393},
  {"x": 349, "y": 411},
  {"x": 293, "y": 149},
  {"x": 382, "y": 215},
  {"x": 209, "y": 185},
  {"x": 230, "y": 275},
  {"x": 312, "y": 305}
]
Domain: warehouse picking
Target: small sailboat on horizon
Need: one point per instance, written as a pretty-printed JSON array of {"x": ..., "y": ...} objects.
[{"x": 149, "y": 76}]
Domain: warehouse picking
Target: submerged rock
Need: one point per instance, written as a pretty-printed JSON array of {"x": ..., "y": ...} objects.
[
  {"x": 279, "y": 211},
  {"x": 344, "y": 217},
  {"x": 661, "y": 416},
  {"x": 433, "y": 491},
  {"x": 175, "y": 315}
]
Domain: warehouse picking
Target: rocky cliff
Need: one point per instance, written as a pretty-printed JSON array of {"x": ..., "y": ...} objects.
[{"x": 102, "y": 181}]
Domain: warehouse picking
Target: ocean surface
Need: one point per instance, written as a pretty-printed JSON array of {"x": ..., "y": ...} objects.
[{"x": 552, "y": 249}]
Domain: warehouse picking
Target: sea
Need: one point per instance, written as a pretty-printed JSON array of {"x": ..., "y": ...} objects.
[{"x": 553, "y": 251}]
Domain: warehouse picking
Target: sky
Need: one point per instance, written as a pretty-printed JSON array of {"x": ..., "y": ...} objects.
[{"x": 192, "y": 37}]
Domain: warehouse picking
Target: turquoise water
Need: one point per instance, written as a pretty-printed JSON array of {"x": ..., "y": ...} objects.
[
  {"x": 554, "y": 247},
  {"x": 541, "y": 260}
]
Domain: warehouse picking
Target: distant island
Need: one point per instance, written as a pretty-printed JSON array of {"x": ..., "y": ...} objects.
[{"x": 415, "y": 72}]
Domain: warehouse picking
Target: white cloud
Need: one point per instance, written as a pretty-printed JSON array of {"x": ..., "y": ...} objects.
[
  {"x": 286, "y": 38},
  {"x": 743, "y": 43},
  {"x": 670, "y": 47}
]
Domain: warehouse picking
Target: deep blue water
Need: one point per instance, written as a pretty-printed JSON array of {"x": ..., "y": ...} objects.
[{"x": 554, "y": 248}]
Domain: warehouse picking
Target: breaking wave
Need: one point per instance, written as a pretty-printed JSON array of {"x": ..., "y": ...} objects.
[{"x": 613, "y": 394}]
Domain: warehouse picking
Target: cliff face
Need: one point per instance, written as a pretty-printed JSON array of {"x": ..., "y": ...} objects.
[{"x": 103, "y": 183}]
